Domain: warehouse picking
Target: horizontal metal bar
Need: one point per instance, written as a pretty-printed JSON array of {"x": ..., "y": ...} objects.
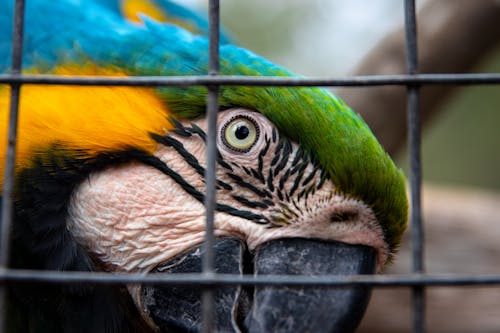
[
  {"x": 220, "y": 280},
  {"x": 202, "y": 80}
]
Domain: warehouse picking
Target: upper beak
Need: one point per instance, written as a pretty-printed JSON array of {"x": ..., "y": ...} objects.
[{"x": 266, "y": 308}]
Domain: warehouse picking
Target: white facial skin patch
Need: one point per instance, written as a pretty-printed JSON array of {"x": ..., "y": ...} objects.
[{"x": 134, "y": 217}]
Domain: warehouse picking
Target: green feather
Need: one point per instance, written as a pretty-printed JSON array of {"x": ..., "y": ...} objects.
[
  {"x": 323, "y": 124},
  {"x": 320, "y": 122}
]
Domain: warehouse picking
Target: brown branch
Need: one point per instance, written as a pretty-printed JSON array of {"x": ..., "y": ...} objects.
[{"x": 453, "y": 36}]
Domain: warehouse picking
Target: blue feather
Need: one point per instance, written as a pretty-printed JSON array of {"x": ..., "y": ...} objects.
[{"x": 102, "y": 33}]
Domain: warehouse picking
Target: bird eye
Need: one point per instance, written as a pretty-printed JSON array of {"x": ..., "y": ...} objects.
[{"x": 240, "y": 133}]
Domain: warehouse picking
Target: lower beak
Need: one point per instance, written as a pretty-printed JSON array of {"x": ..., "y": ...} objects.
[{"x": 266, "y": 308}]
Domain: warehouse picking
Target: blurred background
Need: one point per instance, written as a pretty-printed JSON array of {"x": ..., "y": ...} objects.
[
  {"x": 329, "y": 38},
  {"x": 461, "y": 134}
]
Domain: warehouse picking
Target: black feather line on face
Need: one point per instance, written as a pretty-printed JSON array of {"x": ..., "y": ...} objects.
[
  {"x": 310, "y": 177},
  {"x": 288, "y": 164},
  {"x": 223, "y": 163},
  {"x": 250, "y": 203},
  {"x": 194, "y": 163},
  {"x": 261, "y": 156},
  {"x": 270, "y": 179},
  {"x": 190, "y": 159},
  {"x": 179, "y": 129},
  {"x": 283, "y": 179},
  {"x": 195, "y": 129},
  {"x": 179, "y": 147},
  {"x": 258, "y": 175},
  {"x": 274, "y": 135},
  {"x": 42, "y": 241},
  {"x": 247, "y": 171},
  {"x": 191, "y": 190},
  {"x": 297, "y": 180},
  {"x": 299, "y": 154},
  {"x": 277, "y": 152},
  {"x": 240, "y": 182},
  {"x": 287, "y": 150}
]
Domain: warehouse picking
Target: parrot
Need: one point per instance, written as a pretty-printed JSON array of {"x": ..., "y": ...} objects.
[{"x": 112, "y": 179}]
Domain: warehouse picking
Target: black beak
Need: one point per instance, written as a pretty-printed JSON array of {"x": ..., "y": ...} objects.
[
  {"x": 282, "y": 309},
  {"x": 268, "y": 308}
]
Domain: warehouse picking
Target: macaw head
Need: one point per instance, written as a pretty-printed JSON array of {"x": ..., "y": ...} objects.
[{"x": 113, "y": 179}]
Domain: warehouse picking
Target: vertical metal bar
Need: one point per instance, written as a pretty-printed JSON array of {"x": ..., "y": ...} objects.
[
  {"x": 17, "y": 47},
  {"x": 414, "y": 130},
  {"x": 416, "y": 216},
  {"x": 10, "y": 157},
  {"x": 411, "y": 37},
  {"x": 210, "y": 198}
]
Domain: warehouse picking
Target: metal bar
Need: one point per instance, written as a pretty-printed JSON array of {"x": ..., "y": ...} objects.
[
  {"x": 209, "y": 279},
  {"x": 10, "y": 156},
  {"x": 221, "y": 280},
  {"x": 205, "y": 80},
  {"x": 417, "y": 231},
  {"x": 411, "y": 37},
  {"x": 208, "y": 295},
  {"x": 418, "y": 292},
  {"x": 8, "y": 184}
]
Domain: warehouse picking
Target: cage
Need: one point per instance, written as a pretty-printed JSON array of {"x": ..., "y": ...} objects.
[{"x": 417, "y": 281}]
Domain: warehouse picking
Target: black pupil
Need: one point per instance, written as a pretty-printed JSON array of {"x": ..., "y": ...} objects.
[{"x": 242, "y": 132}]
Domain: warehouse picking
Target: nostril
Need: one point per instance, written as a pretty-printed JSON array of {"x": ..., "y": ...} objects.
[{"x": 343, "y": 216}]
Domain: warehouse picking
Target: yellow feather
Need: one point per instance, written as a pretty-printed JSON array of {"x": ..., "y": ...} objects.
[
  {"x": 132, "y": 8},
  {"x": 91, "y": 119}
]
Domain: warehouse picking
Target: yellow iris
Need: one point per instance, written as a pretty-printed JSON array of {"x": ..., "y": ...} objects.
[{"x": 240, "y": 134}]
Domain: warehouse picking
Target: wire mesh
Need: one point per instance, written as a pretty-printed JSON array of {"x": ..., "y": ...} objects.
[{"x": 208, "y": 280}]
